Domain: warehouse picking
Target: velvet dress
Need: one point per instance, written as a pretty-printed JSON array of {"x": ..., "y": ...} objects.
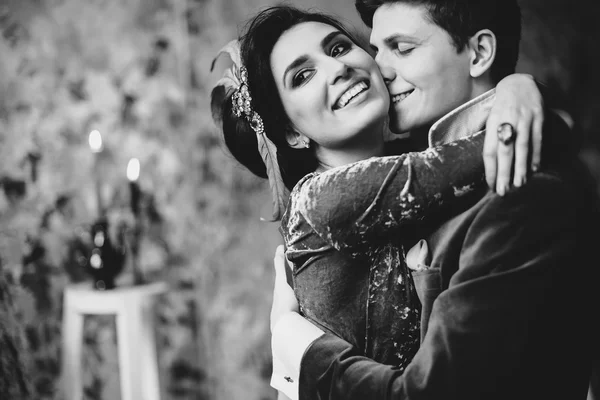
[{"x": 345, "y": 231}]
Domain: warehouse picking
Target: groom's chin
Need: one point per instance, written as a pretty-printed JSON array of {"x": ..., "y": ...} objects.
[{"x": 395, "y": 126}]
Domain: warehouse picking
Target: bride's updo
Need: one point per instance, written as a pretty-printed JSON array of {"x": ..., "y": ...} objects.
[{"x": 256, "y": 45}]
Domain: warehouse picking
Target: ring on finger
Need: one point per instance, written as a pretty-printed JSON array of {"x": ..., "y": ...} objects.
[{"x": 506, "y": 133}]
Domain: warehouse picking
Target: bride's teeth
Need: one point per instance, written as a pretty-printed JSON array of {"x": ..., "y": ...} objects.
[{"x": 351, "y": 93}]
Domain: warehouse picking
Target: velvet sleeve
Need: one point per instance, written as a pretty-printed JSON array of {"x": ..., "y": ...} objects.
[{"x": 359, "y": 204}]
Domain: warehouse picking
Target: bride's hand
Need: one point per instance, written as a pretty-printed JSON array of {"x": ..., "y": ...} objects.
[
  {"x": 284, "y": 299},
  {"x": 520, "y": 104}
]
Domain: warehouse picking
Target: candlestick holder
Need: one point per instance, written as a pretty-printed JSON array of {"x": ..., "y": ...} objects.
[
  {"x": 134, "y": 249},
  {"x": 135, "y": 192}
]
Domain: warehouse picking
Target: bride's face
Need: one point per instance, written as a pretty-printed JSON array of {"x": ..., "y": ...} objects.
[{"x": 331, "y": 89}]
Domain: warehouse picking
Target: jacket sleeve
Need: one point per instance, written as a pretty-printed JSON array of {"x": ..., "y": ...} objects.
[
  {"x": 363, "y": 202},
  {"x": 514, "y": 268}
]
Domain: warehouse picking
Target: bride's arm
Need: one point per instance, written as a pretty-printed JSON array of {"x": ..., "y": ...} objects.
[
  {"x": 395, "y": 191},
  {"x": 374, "y": 198},
  {"x": 526, "y": 104}
]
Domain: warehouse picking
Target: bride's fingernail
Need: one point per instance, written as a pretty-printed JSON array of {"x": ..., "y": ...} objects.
[{"x": 519, "y": 181}]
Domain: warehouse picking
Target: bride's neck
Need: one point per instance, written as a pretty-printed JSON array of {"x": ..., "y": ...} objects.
[{"x": 331, "y": 158}]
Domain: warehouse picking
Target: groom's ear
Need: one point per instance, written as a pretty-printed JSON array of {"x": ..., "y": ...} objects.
[{"x": 482, "y": 46}]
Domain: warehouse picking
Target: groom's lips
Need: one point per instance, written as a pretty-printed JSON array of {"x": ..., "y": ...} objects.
[{"x": 397, "y": 98}]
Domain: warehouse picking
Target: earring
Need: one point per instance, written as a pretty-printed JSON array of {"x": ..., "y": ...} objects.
[{"x": 306, "y": 143}]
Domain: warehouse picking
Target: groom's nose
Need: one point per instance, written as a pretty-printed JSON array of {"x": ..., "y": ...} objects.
[{"x": 387, "y": 71}]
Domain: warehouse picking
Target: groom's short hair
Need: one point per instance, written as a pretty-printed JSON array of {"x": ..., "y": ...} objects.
[{"x": 461, "y": 19}]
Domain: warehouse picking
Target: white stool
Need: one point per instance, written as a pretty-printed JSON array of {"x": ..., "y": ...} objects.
[{"x": 134, "y": 310}]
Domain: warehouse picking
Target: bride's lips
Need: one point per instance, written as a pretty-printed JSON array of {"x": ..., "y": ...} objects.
[{"x": 350, "y": 93}]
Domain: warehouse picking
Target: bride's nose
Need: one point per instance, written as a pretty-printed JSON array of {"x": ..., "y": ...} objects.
[{"x": 337, "y": 70}]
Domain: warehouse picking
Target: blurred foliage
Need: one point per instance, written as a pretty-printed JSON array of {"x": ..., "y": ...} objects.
[
  {"x": 138, "y": 71},
  {"x": 124, "y": 68}
]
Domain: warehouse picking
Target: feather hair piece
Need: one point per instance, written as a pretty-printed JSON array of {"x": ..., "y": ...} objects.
[
  {"x": 268, "y": 152},
  {"x": 234, "y": 81},
  {"x": 229, "y": 82}
]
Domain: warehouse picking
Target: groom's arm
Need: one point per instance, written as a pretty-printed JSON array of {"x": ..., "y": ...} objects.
[
  {"x": 511, "y": 258},
  {"x": 291, "y": 336}
]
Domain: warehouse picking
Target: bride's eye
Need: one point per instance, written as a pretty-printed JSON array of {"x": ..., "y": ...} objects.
[
  {"x": 301, "y": 77},
  {"x": 340, "y": 48}
]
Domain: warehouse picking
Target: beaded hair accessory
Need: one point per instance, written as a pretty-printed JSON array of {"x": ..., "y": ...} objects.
[
  {"x": 242, "y": 104},
  {"x": 235, "y": 79}
]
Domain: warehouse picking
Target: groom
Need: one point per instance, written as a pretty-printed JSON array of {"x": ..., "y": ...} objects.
[{"x": 508, "y": 308}]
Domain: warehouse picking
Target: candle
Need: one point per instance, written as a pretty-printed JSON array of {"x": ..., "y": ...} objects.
[
  {"x": 133, "y": 173},
  {"x": 95, "y": 142}
]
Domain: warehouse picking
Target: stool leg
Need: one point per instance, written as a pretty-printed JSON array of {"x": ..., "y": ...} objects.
[
  {"x": 71, "y": 349},
  {"x": 148, "y": 353},
  {"x": 127, "y": 332}
]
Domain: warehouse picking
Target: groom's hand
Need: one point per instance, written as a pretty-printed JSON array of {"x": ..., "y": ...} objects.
[{"x": 284, "y": 299}]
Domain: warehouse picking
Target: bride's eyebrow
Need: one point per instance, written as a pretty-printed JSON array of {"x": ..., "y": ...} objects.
[{"x": 330, "y": 37}]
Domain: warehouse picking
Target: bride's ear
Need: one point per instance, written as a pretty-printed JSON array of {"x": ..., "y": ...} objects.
[{"x": 296, "y": 140}]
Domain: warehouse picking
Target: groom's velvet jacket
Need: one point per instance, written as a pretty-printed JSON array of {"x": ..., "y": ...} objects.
[{"x": 508, "y": 298}]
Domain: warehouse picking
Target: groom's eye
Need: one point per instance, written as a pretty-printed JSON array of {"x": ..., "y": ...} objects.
[{"x": 405, "y": 50}]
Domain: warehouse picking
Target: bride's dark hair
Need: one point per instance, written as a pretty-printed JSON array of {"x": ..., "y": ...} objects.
[{"x": 261, "y": 35}]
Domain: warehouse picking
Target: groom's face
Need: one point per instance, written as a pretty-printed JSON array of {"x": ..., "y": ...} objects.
[{"x": 426, "y": 75}]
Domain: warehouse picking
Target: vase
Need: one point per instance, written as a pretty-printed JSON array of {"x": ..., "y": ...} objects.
[{"x": 106, "y": 260}]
